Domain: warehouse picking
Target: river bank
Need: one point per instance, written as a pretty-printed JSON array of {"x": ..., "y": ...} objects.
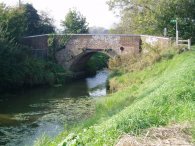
[{"x": 159, "y": 95}]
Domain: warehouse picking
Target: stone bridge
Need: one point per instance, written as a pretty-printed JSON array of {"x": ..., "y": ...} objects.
[{"x": 80, "y": 47}]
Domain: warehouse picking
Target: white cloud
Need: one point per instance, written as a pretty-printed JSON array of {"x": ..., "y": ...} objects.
[{"x": 96, "y": 11}]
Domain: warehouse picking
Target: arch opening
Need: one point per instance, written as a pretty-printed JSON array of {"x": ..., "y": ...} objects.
[{"x": 90, "y": 62}]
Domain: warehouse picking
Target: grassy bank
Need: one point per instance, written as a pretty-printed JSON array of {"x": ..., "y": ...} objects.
[{"x": 161, "y": 94}]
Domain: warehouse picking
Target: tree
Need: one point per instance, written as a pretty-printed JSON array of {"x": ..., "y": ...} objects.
[
  {"x": 12, "y": 22},
  {"x": 24, "y": 21},
  {"x": 32, "y": 20},
  {"x": 152, "y": 16},
  {"x": 36, "y": 24},
  {"x": 75, "y": 23},
  {"x": 46, "y": 23}
]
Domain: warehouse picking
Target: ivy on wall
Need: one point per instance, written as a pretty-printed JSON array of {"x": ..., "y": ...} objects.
[{"x": 55, "y": 44}]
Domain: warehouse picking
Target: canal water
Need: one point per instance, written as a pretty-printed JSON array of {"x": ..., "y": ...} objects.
[{"x": 26, "y": 116}]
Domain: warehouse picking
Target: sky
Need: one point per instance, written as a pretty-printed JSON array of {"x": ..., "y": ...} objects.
[{"x": 96, "y": 11}]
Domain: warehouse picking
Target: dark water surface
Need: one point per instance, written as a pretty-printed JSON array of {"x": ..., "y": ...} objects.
[{"x": 25, "y": 116}]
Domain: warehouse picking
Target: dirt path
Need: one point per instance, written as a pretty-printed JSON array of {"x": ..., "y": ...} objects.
[{"x": 175, "y": 135}]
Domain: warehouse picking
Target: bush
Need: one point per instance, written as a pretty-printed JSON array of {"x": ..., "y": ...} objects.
[{"x": 18, "y": 71}]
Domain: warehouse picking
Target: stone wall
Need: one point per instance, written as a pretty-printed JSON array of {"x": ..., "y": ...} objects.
[
  {"x": 36, "y": 42},
  {"x": 38, "y": 45},
  {"x": 161, "y": 42}
]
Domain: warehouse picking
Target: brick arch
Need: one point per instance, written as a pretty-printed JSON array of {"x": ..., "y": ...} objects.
[
  {"x": 80, "y": 60},
  {"x": 109, "y": 44}
]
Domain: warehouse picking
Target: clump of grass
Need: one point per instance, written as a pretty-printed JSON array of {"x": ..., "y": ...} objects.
[
  {"x": 176, "y": 134},
  {"x": 43, "y": 141}
]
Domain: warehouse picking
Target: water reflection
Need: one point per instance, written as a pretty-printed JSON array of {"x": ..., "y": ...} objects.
[
  {"x": 97, "y": 84},
  {"x": 27, "y": 115}
]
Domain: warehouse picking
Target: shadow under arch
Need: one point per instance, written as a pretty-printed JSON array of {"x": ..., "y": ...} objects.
[{"x": 80, "y": 60}]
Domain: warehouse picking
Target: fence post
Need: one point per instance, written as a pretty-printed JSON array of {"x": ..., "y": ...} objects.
[
  {"x": 177, "y": 37},
  {"x": 189, "y": 44}
]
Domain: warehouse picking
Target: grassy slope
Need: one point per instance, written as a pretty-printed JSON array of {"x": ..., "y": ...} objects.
[{"x": 159, "y": 95}]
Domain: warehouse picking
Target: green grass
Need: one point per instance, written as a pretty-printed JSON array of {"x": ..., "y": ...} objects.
[
  {"x": 162, "y": 94},
  {"x": 193, "y": 48}
]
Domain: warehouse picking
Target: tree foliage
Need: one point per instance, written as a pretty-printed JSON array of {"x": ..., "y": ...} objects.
[
  {"x": 152, "y": 16},
  {"x": 11, "y": 21},
  {"x": 35, "y": 23},
  {"x": 75, "y": 23},
  {"x": 24, "y": 21}
]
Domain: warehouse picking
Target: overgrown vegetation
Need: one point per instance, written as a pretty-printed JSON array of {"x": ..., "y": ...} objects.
[
  {"x": 19, "y": 69},
  {"x": 56, "y": 43},
  {"x": 138, "y": 61}
]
